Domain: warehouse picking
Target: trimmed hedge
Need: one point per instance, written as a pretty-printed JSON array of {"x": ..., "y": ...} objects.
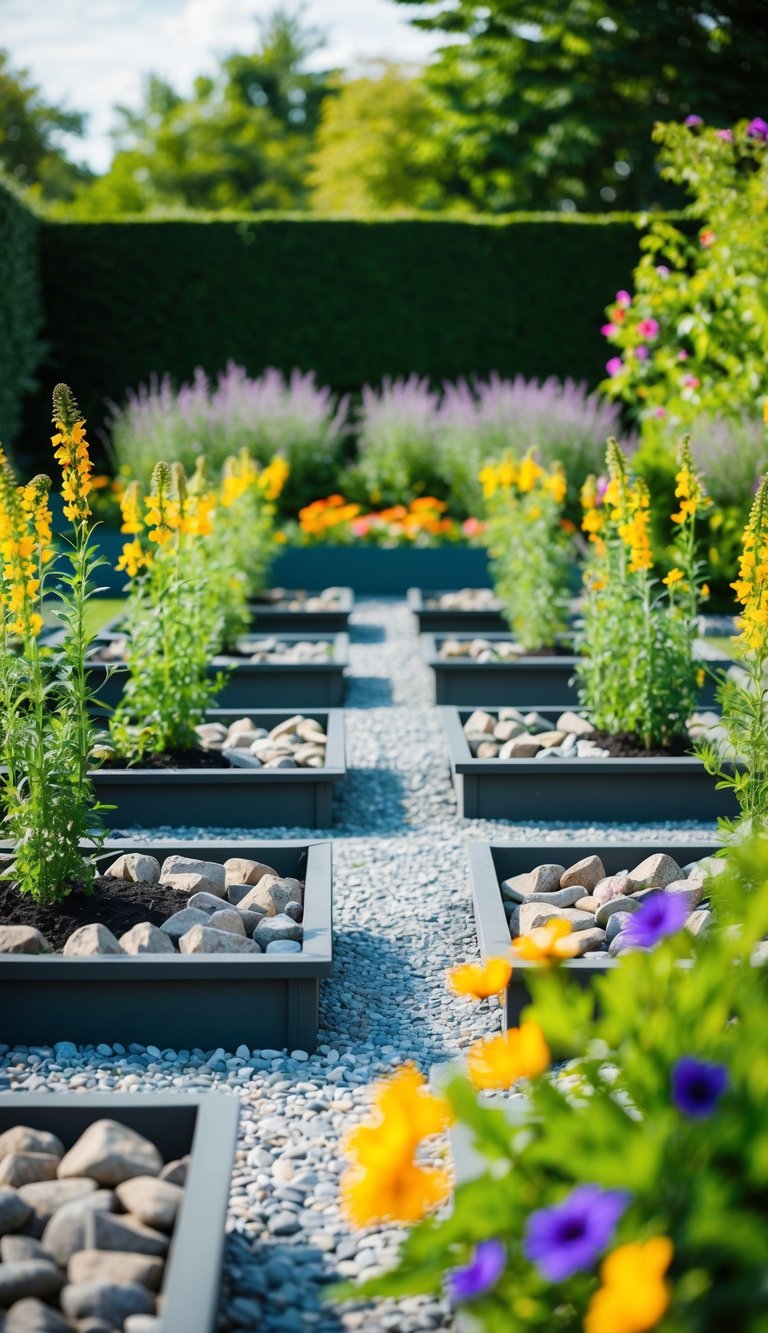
[
  {"x": 351, "y": 300},
  {"x": 21, "y": 311}
]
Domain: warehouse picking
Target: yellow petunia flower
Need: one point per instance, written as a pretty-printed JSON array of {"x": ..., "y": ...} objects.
[
  {"x": 498, "y": 1062},
  {"x": 634, "y": 1296},
  {"x": 479, "y": 982},
  {"x": 550, "y": 943}
]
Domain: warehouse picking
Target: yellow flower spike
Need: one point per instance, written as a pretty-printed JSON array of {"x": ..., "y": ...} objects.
[
  {"x": 634, "y": 1295},
  {"x": 498, "y": 1062},
  {"x": 478, "y": 982},
  {"x": 550, "y": 943},
  {"x": 674, "y": 576},
  {"x": 71, "y": 453},
  {"x": 529, "y": 473}
]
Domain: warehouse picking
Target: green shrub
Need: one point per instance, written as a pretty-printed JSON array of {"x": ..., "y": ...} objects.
[{"x": 21, "y": 315}]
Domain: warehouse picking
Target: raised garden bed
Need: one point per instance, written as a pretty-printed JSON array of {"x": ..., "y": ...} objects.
[
  {"x": 182, "y": 1000},
  {"x": 202, "y": 1128},
  {"x": 281, "y": 683},
  {"x": 225, "y": 796},
  {"x": 605, "y": 790},
  {"x": 490, "y": 864},
  {"x": 539, "y": 680},
  {"x": 468, "y": 611},
  {"x": 290, "y": 609},
  {"x": 386, "y": 572}
]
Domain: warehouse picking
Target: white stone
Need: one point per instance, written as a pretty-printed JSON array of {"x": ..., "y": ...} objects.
[
  {"x": 573, "y": 724},
  {"x": 109, "y": 1153},
  {"x": 202, "y": 939},
  {"x": 136, "y": 867},
  {"x": 210, "y": 875},
  {"x": 90, "y": 940},
  {"x": 146, "y": 938}
]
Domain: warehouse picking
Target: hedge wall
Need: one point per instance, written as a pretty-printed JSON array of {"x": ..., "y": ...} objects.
[
  {"x": 21, "y": 312},
  {"x": 352, "y": 300}
]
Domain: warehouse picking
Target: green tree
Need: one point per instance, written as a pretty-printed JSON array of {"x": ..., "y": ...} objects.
[
  {"x": 240, "y": 142},
  {"x": 551, "y": 103},
  {"x": 31, "y": 133},
  {"x": 374, "y": 148}
]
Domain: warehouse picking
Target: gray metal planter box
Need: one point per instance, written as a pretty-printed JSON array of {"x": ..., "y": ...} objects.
[
  {"x": 435, "y": 620},
  {"x": 269, "y": 617},
  {"x": 557, "y": 790},
  {"x": 375, "y": 570},
  {"x": 538, "y": 680},
  {"x": 229, "y": 797},
  {"x": 182, "y": 1000},
  {"x": 490, "y": 863},
  {"x": 270, "y": 684},
  {"x": 204, "y": 1126}
]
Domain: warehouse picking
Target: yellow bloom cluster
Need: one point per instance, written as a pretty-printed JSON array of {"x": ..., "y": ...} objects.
[
  {"x": 751, "y": 587},
  {"x": 273, "y": 478},
  {"x": 634, "y": 1295},
  {"x": 237, "y": 477},
  {"x": 71, "y": 453},
  {"x": 385, "y": 1182},
  {"x": 25, "y": 536},
  {"x": 689, "y": 487},
  {"x": 478, "y": 982},
  {"x": 525, "y": 476},
  {"x": 498, "y": 1062}
]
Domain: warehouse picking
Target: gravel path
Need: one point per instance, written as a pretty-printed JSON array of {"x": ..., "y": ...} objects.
[{"x": 402, "y": 916}]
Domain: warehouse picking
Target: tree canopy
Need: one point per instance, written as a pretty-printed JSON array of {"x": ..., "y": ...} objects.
[{"x": 31, "y": 134}]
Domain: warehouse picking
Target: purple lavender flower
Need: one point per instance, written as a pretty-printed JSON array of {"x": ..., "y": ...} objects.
[
  {"x": 758, "y": 129},
  {"x": 693, "y": 121},
  {"x": 661, "y": 914},
  {"x": 480, "y": 1274},
  {"x": 697, "y": 1086},
  {"x": 569, "y": 1237}
]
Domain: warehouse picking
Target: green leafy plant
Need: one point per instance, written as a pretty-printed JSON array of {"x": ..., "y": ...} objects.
[
  {"x": 624, "y": 1192},
  {"x": 48, "y": 735},
  {"x": 531, "y": 551},
  {"x": 637, "y": 675}
]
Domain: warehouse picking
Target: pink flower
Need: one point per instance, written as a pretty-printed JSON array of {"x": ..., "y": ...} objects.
[
  {"x": 758, "y": 129},
  {"x": 693, "y": 121},
  {"x": 608, "y": 330},
  {"x": 614, "y": 365},
  {"x": 691, "y": 381},
  {"x": 648, "y": 328},
  {"x": 682, "y": 355},
  {"x": 360, "y": 526},
  {"x": 641, "y": 353},
  {"x": 662, "y": 270},
  {"x": 660, "y": 412},
  {"x": 725, "y": 135},
  {"x": 471, "y": 527},
  {"x": 623, "y": 299}
]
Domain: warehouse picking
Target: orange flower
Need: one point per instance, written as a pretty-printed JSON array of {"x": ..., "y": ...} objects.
[
  {"x": 480, "y": 982},
  {"x": 498, "y": 1062},
  {"x": 634, "y": 1295},
  {"x": 551, "y": 943}
]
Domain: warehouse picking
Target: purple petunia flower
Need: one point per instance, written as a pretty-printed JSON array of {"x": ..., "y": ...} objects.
[
  {"x": 570, "y": 1237},
  {"x": 661, "y": 914},
  {"x": 641, "y": 353},
  {"x": 758, "y": 129},
  {"x": 697, "y": 1086},
  {"x": 613, "y": 365},
  {"x": 693, "y": 121},
  {"x": 480, "y": 1274}
]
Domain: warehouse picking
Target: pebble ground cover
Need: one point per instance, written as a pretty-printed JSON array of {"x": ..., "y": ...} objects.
[{"x": 403, "y": 915}]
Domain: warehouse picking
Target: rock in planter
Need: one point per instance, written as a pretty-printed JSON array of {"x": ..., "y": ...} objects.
[
  {"x": 620, "y": 903},
  {"x": 29, "y": 1277},
  {"x": 574, "y": 725},
  {"x": 203, "y": 939},
  {"x": 66, "y": 1231},
  {"x": 15, "y": 1248},
  {"x": 111, "y": 1301},
  {"x": 114, "y": 1266},
  {"x": 106, "y": 1231},
  {"x": 544, "y": 879},
  {"x": 23, "y": 1139},
  {"x": 23, "y": 1168},
  {"x": 136, "y": 868},
  {"x": 154, "y": 1202},
  {"x": 272, "y": 894},
  {"x": 181, "y": 922},
  {"x": 22, "y": 939},
  {"x": 191, "y": 876},
  {"x": 14, "y": 1211},
  {"x": 33, "y": 1316},
  {"x": 655, "y": 872},
  {"x": 278, "y": 927},
  {"x": 228, "y": 919},
  {"x": 110, "y": 1153},
  {"x": 146, "y": 938},
  {"x": 587, "y": 872},
  {"x": 613, "y": 886},
  {"x": 538, "y": 914},
  {"x": 46, "y": 1196},
  {"x": 283, "y": 946},
  {"x": 90, "y": 940}
]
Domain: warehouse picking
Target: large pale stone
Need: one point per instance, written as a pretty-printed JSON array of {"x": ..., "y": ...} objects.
[
  {"x": 115, "y": 1266},
  {"x": 45, "y": 1197},
  {"x": 538, "y": 914},
  {"x": 202, "y": 939},
  {"x": 29, "y": 1277},
  {"x": 522, "y": 747},
  {"x": 228, "y": 919},
  {"x": 207, "y": 902},
  {"x": 699, "y": 922},
  {"x": 560, "y": 898},
  {"x": 20, "y": 1138},
  {"x": 272, "y": 894},
  {"x": 585, "y": 941},
  {"x": 542, "y": 879},
  {"x": 14, "y": 1248},
  {"x": 621, "y": 903},
  {"x": 109, "y": 1153},
  {"x": 22, "y": 939},
  {"x": 480, "y": 721},
  {"x": 136, "y": 867},
  {"x": 154, "y": 1202},
  {"x": 286, "y": 728},
  {"x": 146, "y": 938},
  {"x": 278, "y": 927},
  {"x": 588, "y": 872},
  {"x": 31, "y": 1315},
  {"x": 573, "y": 724},
  {"x": 91, "y": 940},
  {"x": 209, "y": 876},
  {"x": 507, "y": 731},
  {"x": 111, "y": 1301},
  {"x": 690, "y": 890},
  {"x": 67, "y": 1229},
  {"x": 15, "y": 1212},
  {"x": 182, "y": 922},
  {"x": 655, "y": 872},
  {"x": 613, "y": 886},
  {"x": 23, "y": 1168},
  {"x": 108, "y": 1232}
]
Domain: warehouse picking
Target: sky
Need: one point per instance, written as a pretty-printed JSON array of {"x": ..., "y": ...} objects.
[{"x": 91, "y": 54}]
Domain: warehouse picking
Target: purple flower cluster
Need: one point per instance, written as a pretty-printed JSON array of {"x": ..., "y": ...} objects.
[
  {"x": 569, "y": 1237},
  {"x": 661, "y": 914}
]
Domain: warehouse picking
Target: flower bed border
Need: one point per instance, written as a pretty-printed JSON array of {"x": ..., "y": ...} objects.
[
  {"x": 273, "y": 620},
  {"x": 541, "y": 681},
  {"x": 230, "y": 797},
  {"x": 182, "y": 1000},
  {"x": 203, "y": 1125},
  {"x": 272, "y": 684},
  {"x": 491, "y": 862},
  {"x": 560, "y": 790},
  {"x": 382, "y": 571},
  {"x": 436, "y": 620}
]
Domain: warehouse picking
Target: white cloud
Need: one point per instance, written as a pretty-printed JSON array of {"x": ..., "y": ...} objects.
[{"x": 92, "y": 54}]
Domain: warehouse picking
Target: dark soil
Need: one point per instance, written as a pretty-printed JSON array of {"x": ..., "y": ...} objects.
[
  {"x": 173, "y": 759},
  {"x": 114, "y": 903},
  {"x": 628, "y": 746}
]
